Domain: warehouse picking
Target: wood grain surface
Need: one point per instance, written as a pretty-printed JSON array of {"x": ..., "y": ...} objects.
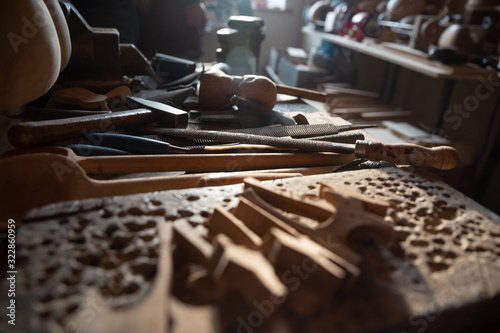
[{"x": 440, "y": 272}]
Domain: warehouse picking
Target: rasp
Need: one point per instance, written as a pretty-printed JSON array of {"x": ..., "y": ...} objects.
[
  {"x": 443, "y": 157},
  {"x": 300, "y": 131}
]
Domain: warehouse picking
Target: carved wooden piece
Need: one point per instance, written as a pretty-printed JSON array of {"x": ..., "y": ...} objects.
[
  {"x": 32, "y": 54},
  {"x": 441, "y": 268},
  {"x": 239, "y": 269},
  {"x": 315, "y": 210},
  {"x": 149, "y": 315},
  {"x": 354, "y": 211},
  {"x": 284, "y": 250},
  {"x": 256, "y": 218},
  {"x": 223, "y": 222},
  {"x": 194, "y": 247},
  {"x": 304, "y": 265},
  {"x": 279, "y": 204},
  {"x": 81, "y": 98}
]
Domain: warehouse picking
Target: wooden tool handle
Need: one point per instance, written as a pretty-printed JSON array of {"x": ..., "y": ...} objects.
[
  {"x": 302, "y": 93},
  {"x": 217, "y": 88},
  {"x": 443, "y": 157},
  {"x": 207, "y": 162},
  {"x": 30, "y": 134}
]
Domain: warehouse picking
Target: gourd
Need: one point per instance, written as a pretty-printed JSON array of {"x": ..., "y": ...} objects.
[
  {"x": 217, "y": 88},
  {"x": 32, "y": 56}
]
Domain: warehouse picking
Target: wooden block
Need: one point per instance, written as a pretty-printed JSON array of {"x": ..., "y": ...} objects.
[
  {"x": 258, "y": 219},
  {"x": 316, "y": 210},
  {"x": 194, "y": 247},
  {"x": 240, "y": 269},
  {"x": 386, "y": 115},
  {"x": 223, "y": 222},
  {"x": 415, "y": 134},
  {"x": 314, "y": 215},
  {"x": 304, "y": 265},
  {"x": 150, "y": 315}
]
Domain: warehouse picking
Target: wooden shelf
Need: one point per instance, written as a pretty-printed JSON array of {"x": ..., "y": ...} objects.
[{"x": 406, "y": 57}]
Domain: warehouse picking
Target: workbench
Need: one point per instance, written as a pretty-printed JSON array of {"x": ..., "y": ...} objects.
[
  {"x": 441, "y": 272},
  {"x": 87, "y": 263}
]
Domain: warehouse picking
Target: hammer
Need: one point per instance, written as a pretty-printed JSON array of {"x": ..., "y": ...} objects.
[
  {"x": 217, "y": 88},
  {"x": 30, "y": 134}
]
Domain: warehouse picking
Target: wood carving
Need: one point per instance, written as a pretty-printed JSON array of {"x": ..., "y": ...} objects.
[
  {"x": 441, "y": 266},
  {"x": 318, "y": 213},
  {"x": 240, "y": 269},
  {"x": 149, "y": 315},
  {"x": 223, "y": 222},
  {"x": 258, "y": 219},
  {"x": 304, "y": 264},
  {"x": 30, "y": 32}
]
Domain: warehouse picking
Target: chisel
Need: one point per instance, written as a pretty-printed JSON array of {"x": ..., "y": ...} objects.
[
  {"x": 145, "y": 146},
  {"x": 443, "y": 157}
]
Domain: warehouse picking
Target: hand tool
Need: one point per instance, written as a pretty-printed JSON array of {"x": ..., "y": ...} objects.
[
  {"x": 302, "y": 93},
  {"x": 255, "y": 115},
  {"x": 301, "y": 131},
  {"x": 173, "y": 97},
  {"x": 86, "y": 99},
  {"x": 145, "y": 146},
  {"x": 33, "y": 180},
  {"x": 340, "y": 138},
  {"x": 38, "y": 114},
  {"x": 150, "y": 314},
  {"x": 189, "y": 162},
  {"x": 171, "y": 115},
  {"x": 217, "y": 89},
  {"x": 91, "y": 150},
  {"x": 29, "y": 134},
  {"x": 170, "y": 67},
  {"x": 453, "y": 56},
  {"x": 442, "y": 157},
  {"x": 81, "y": 97},
  {"x": 321, "y": 132},
  {"x": 132, "y": 144}
]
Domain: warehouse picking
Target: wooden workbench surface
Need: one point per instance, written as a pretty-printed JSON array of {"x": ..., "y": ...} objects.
[{"x": 440, "y": 272}]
